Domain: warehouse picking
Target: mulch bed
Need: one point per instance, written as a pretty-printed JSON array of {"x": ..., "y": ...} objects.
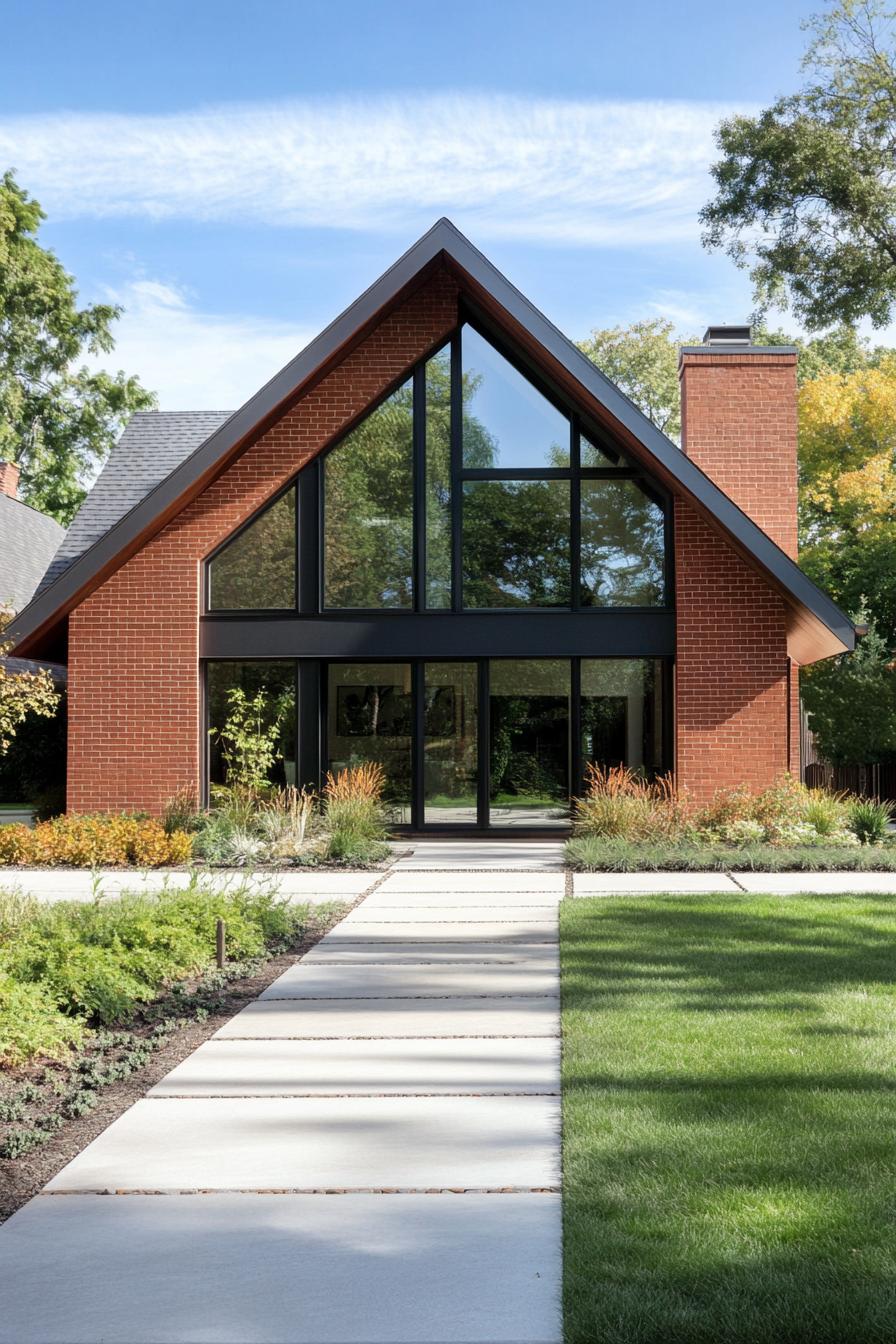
[{"x": 23, "y": 1177}]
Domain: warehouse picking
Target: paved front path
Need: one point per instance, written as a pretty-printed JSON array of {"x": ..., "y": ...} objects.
[{"x": 369, "y": 1152}]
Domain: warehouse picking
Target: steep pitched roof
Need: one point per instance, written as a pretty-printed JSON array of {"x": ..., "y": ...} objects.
[
  {"x": 28, "y": 541},
  {"x": 152, "y": 445},
  {"x": 817, "y": 627}
]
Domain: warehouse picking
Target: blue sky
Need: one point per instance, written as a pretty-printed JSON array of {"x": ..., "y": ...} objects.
[{"x": 236, "y": 173}]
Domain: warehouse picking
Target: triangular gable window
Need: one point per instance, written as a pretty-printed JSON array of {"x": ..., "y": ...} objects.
[
  {"x": 256, "y": 569},
  {"x": 508, "y": 423}
]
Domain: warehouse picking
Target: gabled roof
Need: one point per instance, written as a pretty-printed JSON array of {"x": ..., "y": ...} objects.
[
  {"x": 28, "y": 541},
  {"x": 152, "y": 445},
  {"x": 818, "y": 628}
]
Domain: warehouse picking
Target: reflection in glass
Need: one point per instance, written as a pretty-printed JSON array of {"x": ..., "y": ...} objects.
[
  {"x": 507, "y": 421},
  {"x": 593, "y": 456},
  {"x": 529, "y": 742},
  {"x": 450, "y": 757},
  {"x": 623, "y": 546},
  {"x": 257, "y": 570},
  {"x": 277, "y": 682},
  {"x": 370, "y": 718},
  {"x": 622, "y": 713},
  {"x": 516, "y": 550},
  {"x": 368, "y": 510},
  {"x": 438, "y": 481}
]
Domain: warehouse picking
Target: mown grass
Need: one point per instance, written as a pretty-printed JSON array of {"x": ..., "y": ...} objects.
[{"x": 729, "y": 1113}]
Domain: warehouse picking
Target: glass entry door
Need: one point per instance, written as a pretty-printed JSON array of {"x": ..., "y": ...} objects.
[
  {"x": 370, "y": 717},
  {"x": 529, "y": 743},
  {"x": 492, "y": 743},
  {"x": 450, "y": 744}
]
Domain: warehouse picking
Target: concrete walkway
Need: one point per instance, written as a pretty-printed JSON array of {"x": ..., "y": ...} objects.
[{"x": 368, "y": 1152}]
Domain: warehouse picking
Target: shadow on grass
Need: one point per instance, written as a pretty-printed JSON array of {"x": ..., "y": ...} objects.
[{"x": 729, "y": 1161}]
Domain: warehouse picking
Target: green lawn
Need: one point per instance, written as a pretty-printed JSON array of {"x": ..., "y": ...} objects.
[{"x": 729, "y": 1119}]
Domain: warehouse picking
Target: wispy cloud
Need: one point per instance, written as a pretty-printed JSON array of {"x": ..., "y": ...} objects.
[
  {"x": 195, "y": 360},
  {"x": 588, "y": 173}
]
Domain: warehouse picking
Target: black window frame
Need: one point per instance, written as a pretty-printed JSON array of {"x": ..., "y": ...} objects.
[
  {"x": 311, "y": 504},
  {"x": 313, "y": 747}
]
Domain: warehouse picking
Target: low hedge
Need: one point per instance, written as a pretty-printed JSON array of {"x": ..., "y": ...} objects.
[
  {"x": 82, "y": 840},
  {"x": 596, "y": 854}
]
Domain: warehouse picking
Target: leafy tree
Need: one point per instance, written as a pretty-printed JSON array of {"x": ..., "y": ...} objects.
[
  {"x": 642, "y": 360},
  {"x": 249, "y": 740},
  {"x": 21, "y": 695},
  {"x": 806, "y": 195},
  {"x": 852, "y": 703},
  {"x": 58, "y": 420}
]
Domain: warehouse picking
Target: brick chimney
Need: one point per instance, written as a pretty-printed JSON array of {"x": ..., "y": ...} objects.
[
  {"x": 739, "y": 424},
  {"x": 9, "y": 479}
]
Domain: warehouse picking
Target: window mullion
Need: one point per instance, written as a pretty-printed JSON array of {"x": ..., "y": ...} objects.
[
  {"x": 419, "y": 480},
  {"x": 456, "y": 433}
]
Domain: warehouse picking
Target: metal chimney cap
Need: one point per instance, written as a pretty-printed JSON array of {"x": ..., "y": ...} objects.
[{"x": 728, "y": 336}]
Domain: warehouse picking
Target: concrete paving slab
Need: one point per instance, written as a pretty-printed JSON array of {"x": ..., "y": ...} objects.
[
  {"x": 365, "y": 1068},
  {"x": 483, "y": 898},
  {"x": 321, "y": 981},
  {"x": 394, "y": 953},
  {"x": 452, "y": 914},
  {"x": 486, "y": 855},
  {"x": 361, "y": 1143},
  {"x": 623, "y": 884},
  {"x": 51, "y": 884},
  {"x": 339, "y": 1019},
  {"x": 250, "y": 1269},
  {"x": 475, "y": 884},
  {"x": 352, "y": 930},
  {"x": 883, "y": 884}
]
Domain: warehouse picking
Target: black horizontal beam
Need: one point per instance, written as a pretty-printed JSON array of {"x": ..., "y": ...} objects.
[{"x": 518, "y": 634}]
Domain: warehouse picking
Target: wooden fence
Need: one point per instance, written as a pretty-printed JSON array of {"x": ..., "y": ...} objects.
[{"x": 870, "y": 781}]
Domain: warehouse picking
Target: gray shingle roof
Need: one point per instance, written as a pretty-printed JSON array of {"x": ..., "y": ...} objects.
[
  {"x": 28, "y": 541},
  {"x": 151, "y": 446}
]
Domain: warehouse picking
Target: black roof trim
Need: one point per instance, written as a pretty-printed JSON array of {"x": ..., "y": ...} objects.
[{"x": 443, "y": 237}]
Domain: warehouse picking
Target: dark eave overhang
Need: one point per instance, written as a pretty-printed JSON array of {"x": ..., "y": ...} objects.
[{"x": 817, "y": 629}]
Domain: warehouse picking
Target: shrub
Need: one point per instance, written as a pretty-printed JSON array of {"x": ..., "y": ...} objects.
[
  {"x": 90, "y": 841},
  {"x": 248, "y": 740},
  {"x": 869, "y": 820},
  {"x": 619, "y": 802},
  {"x": 354, "y": 812},
  {"x": 68, "y": 965},
  {"x": 785, "y": 813}
]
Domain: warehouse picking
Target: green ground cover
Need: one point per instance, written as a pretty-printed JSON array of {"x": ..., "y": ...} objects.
[
  {"x": 729, "y": 1113},
  {"x": 68, "y": 968}
]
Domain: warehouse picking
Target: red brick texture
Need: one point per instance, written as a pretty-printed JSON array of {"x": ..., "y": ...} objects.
[
  {"x": 731, "y": 680},
  {"x": 739, "y": 426},
  {"x": 134, "y": 697},
  {"x": 737, "y": 698}
]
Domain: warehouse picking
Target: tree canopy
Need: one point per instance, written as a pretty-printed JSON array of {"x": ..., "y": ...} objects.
[
  {"x": 806, "y": 193},
  {"x": 58, "y": 420},
  {"x": 642, "y": 360}
]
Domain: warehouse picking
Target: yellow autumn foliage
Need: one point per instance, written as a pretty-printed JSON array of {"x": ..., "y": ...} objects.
[{"x": 847, "y": 425}]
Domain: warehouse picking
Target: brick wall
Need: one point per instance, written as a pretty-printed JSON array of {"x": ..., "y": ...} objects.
[
  {"x": 731, "y": 678},
  {"x": 737, "y": 718},
  {"x": 739, "y": 425},
  {"x": 134, "y": 725}
]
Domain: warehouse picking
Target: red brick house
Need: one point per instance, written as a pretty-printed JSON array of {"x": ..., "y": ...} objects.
[{"x": 441, "y": 539}]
